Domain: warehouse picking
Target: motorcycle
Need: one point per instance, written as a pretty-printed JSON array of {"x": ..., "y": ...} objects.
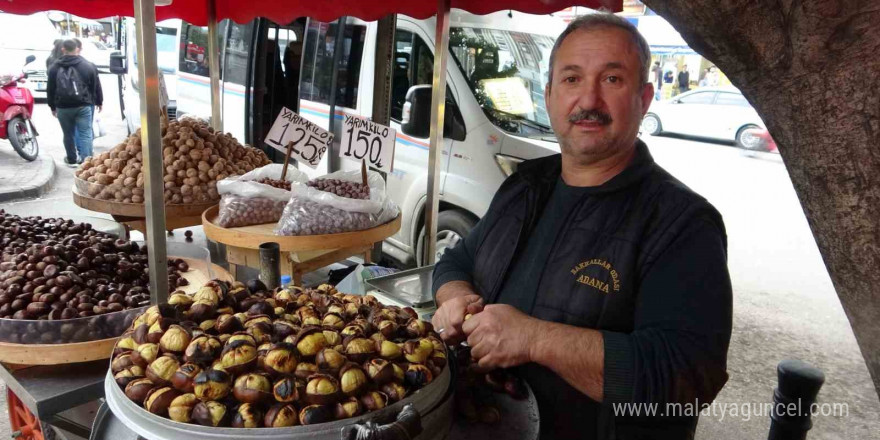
[{"x": 16, "y": 107}]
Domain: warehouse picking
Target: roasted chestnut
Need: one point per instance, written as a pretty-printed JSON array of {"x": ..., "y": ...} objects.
[
  {"x": 181, "y": 408},
  {"x": 159, "y": 399},
  {"x": 333, "y": 321},
  {"x": 418, "y": 375},
  {"x": 175, "y": 340},
  {"x": 330, "y": 360},
  {"x": 310, "y": 341},
  {"x": 202, "y": 310},
  {"x": 416, "y": 328},
  {"x": 305, "y": 369},
  {"x": 128, "y": 374},
  {"x": 352, "y": 379},
  {"x": 247, "y": 416},
  {"x": 374, "y": 400},
  {"x": 286, "y": 390},
  {"x": 280, "y": 416},
  {"x": 280, "y": 359},
  {"x": 418, "y": 351},
  {"x": 210, "y": 413},
  {"x": 227, "y": 324},
  {"x": 322, "y": 389},
  {"x": 162, "y": 369},
  {"x": 145, "y": 354},
  {"x": 137, "y": 390},
  {"x": 122, "y": 362},
  {"x": 124, "y": 345},
  {"x": 332, "y": 338},
  {"x": 314, "y": 414},
  {"x": 349, "y": 407},
  {"x": 379, "y": 370},
  {"x": 394, "y": 391},
  {"x": 238, "y": 357},
  {"x": 202, "y": 350},
  {"x": 387, "y": 328},
  {"x": 359, "y": 349},
  {"x": 284, "y": 328},
  {"x": 212, "y": 384},
  {"x": 389, "y": 350},
  {"x": 252, "y": 388},
  {"x": 180, "y": 299},
  {"x": 183, "y": 378}
]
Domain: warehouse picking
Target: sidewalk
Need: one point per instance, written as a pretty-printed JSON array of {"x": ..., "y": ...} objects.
[{"x": 22, "y": 179}]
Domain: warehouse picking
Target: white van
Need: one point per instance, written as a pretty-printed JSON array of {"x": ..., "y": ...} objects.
[
  {"x": 23, "y": 35},
  {"x": 496, "y": 116},
  {"x": 495, "y": 109}
]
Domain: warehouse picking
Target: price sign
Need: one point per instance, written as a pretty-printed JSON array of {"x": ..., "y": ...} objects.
[
  {"x": 310, "y": 142},
  {"x": 366, "y": 140}
]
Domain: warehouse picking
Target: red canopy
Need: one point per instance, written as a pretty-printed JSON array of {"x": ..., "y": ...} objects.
[{"x": 285, "y": 11}]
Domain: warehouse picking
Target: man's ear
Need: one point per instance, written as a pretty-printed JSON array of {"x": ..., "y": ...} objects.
[
  {"x": 647, "y": 96},
  {"x": 547, "y": 97}
]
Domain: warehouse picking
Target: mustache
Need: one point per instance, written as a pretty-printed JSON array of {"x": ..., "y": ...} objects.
[{"x": 590, "y": 115}]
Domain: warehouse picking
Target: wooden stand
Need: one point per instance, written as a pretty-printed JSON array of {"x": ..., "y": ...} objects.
[
  {"x": 304, "y": 253},
  {"x": 132, "y": 214}
]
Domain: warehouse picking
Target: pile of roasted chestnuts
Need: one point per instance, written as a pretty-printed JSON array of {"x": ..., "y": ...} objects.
[{"x": 242, "y": 356}]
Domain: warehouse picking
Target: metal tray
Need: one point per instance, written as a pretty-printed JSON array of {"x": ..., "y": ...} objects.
[{"x": 411, "y": 287}]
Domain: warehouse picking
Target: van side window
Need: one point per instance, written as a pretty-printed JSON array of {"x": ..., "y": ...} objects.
[
  {"x": 238, "y": 43},
  {"x": 194, "y": 50},
  {"x": 318, "y": 63},
  {"x": 413, "y": 66}
]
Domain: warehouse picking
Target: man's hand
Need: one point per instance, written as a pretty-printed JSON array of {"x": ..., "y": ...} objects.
[
  {"x": 100, "y": 108},
  {"x": 450, "y": 316},
  {"x": 55, "y": 113},
  {"x": 501, "y": 336}
]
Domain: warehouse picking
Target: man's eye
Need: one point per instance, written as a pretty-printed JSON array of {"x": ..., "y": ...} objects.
[
  {"x": 570, "y": 79},
  {"x": 613, "y": 79}
]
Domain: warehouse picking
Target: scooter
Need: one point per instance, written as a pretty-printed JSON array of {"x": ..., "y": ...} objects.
[{"x": 16, "y": 107}]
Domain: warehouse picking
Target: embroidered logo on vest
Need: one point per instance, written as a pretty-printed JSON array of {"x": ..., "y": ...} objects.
[{"x": 593, "y": 281}]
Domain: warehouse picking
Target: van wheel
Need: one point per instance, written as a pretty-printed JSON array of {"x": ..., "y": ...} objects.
[{"x": 452, "y": 227}]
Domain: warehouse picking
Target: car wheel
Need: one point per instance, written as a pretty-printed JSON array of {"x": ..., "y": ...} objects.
[
  {"x": 452, "y": 227},
  {"x": 746, "y": 140},
  {"x": 651, "y": 125}
]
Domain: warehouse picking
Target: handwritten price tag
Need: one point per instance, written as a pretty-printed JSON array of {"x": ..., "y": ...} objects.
[
  {"x": 310, "y": 142},
  {"x": 363, "y": 139}
]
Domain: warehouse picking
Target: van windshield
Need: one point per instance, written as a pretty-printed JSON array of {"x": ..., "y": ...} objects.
[
  {"x": 506, "y": 71},
  {"x": 29, "y": 32}
]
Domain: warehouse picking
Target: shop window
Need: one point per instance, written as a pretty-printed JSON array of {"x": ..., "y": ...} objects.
[{"x": 318, "y": 65}]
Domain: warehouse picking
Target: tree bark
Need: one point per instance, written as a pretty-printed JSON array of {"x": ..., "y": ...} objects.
[{"x": 812, "y": 71}]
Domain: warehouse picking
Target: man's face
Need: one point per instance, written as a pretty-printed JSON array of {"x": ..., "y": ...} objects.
[{"x": 597, "y": 99}]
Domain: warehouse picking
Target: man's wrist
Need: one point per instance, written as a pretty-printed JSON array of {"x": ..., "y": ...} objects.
[
  {"x": 453, "y": 289},
  {"x": 538, "y": 331}
]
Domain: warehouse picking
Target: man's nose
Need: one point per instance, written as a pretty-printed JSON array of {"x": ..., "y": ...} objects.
[{"x": 589, "y": 96}]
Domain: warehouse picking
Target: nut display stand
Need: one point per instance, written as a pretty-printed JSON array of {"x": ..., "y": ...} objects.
[
  {"x": 304, "y": 253},
  {"x": 45, "y": 380},
  {"x": 133, "y": 217}
]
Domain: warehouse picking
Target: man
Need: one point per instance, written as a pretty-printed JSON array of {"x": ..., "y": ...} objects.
[
  {"x": 605, "y": 277},
  {"x": 684, "y": 80},
  {"x": 73, "y": 88}
]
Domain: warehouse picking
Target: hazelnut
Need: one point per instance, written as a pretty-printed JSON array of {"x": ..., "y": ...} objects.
[
  {"x": 181, "y": 408},
  {"x": 280, "y": 416},
  {"x": 252, "y": 388}
]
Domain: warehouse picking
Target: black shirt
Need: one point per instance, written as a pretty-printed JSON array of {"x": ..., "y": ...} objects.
[{"x": 521, "y": 287}]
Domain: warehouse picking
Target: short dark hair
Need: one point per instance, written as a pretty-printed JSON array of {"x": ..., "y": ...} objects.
[
  {"x": 79, "y": 44},
  {"x": 604, "y": 19},
  {"x": 68, "y": 46}
]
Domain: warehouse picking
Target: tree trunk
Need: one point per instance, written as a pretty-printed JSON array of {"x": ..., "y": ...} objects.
[{"x": 812, "y": 71}]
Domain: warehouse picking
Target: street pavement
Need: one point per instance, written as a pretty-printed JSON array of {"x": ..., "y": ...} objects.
[{"x": 785, "y": 306}]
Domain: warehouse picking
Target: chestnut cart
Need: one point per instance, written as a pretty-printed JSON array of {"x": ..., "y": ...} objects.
[{"x": 303, "y": 253}]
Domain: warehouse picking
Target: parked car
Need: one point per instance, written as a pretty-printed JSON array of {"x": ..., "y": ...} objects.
[
  {"x": 759, "y": 139},
  {"x": 96, "y": 53},
  {"x": 710, "y": 112}
]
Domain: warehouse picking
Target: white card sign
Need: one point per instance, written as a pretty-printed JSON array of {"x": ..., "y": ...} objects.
[
  {"x": 363, "y": 139},
  {"x": 310, "y": 142}
]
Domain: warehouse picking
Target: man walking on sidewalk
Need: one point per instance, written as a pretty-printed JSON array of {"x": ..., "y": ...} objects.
[{"x": 73, "y": 90}]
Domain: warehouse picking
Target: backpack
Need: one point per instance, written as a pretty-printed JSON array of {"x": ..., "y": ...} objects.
[{"x": 70, "y": 88}]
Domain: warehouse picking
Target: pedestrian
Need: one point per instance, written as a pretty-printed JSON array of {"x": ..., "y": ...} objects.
[
  {"x": 658, "y": 79},
  {"x": 597, "y": 275},
  {"x": 73, "y": 89},
  {"x": 684, "y": 79},
  {"x": 55, "y": 55}
]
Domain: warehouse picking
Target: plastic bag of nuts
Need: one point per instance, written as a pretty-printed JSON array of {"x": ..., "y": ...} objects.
[
  {"x": 315, "y": 212},
  {"x": 256, "y": 197}
]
